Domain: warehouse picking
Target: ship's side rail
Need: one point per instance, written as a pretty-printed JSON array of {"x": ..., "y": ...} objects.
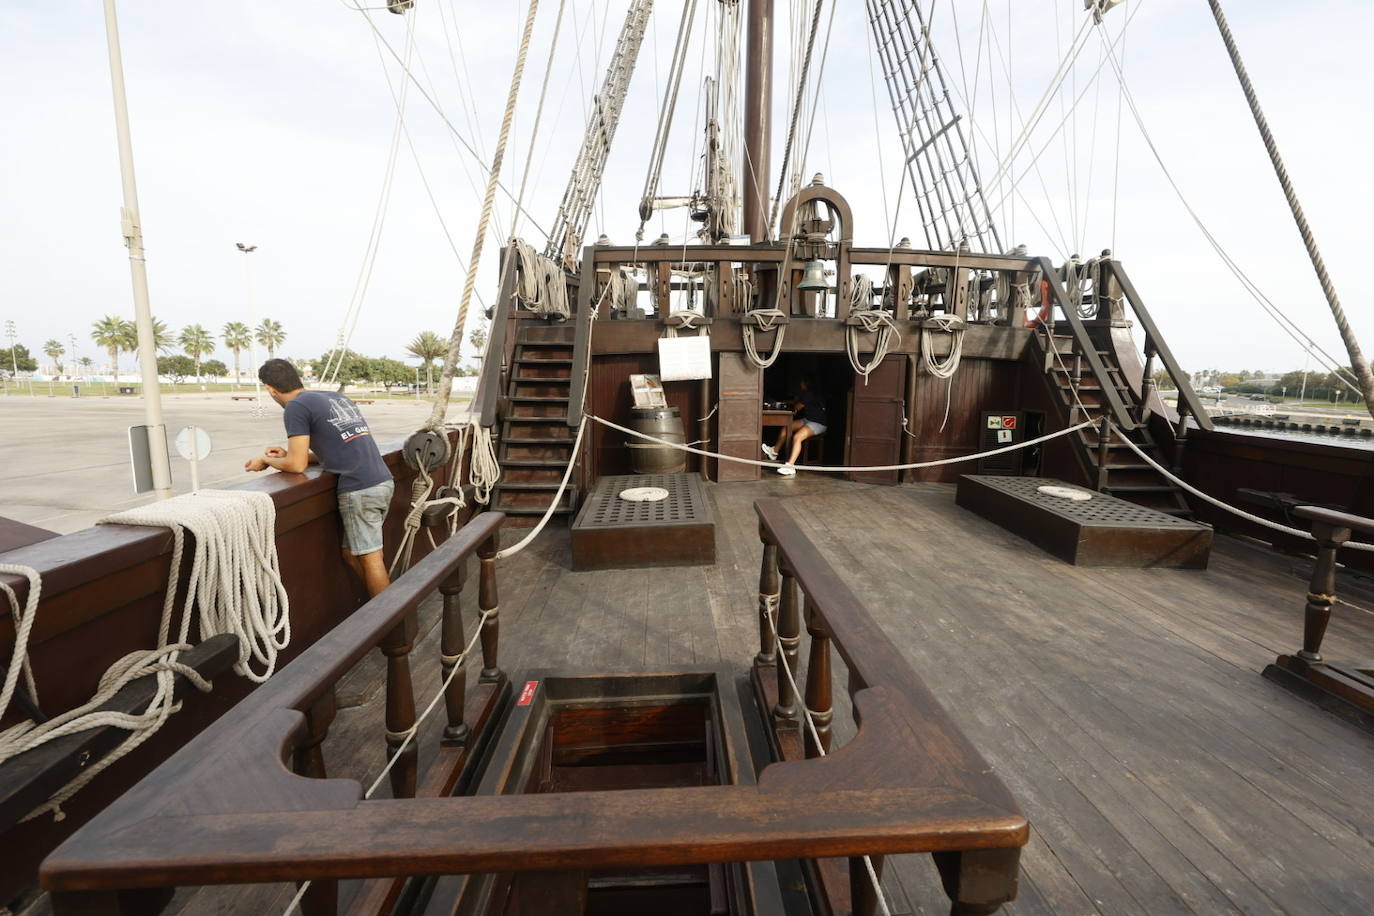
[
  {"x": 103, "y": 591},
  {"x": 226, "y": 810},
  {"x": 799, "y": 590}
]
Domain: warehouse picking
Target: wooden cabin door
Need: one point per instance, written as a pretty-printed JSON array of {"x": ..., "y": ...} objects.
[
  {"x": 741, "y": 402},
  {"x": 875, "y": 421}
]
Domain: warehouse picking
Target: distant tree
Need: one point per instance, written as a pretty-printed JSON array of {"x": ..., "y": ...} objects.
[
  {"x": 237, "y": 337},
  {"x": 388, "y": 372},
  {"x": 113, "y": 333},
  {"x": 17, "y": 358},
  {"x": 86, "y": 363},
  {"x": 197, "y": 342},
  {"x": 177, "y": 368},
  {"x": 214, "y": 368},
  {"x": 54, "y": 351},
  {"x": 352, "y": 366},
  {"x": 478, "y": 337},
  {"x": 162, "y": 338},
  {"x": 270, "y": 335},
  {"x": 428, "y": 346},
  {"x": 1241, "y": 376}
]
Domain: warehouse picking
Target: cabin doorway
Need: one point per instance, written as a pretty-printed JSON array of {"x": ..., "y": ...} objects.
[{"x": 832, "y": 379}]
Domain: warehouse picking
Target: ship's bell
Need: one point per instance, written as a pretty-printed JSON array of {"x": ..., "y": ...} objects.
[{"x": 814, "y": 278}]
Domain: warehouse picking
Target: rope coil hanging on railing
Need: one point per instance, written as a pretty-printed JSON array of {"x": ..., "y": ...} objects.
[
  {"x": 541, "y": 286},
  {"x": 766, "y": 320},
  {"x": 864, "y": 317}
]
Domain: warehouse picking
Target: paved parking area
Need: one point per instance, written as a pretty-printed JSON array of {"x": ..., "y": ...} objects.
[{"x": 64, "y": 462}]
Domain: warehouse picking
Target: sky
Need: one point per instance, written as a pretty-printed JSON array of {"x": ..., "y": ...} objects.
[{"x": 272, "y": 123}]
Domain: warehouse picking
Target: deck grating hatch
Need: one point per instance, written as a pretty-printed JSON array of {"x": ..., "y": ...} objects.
[
  {"x": 1101, "y": 510},
  {"x": 684, "y": 504}
]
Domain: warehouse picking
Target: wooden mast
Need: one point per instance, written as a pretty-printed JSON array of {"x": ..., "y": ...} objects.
[{"x": 758, "y": 105}]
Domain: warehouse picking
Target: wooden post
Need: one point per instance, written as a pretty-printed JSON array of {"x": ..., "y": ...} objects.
[
  {"x": 1180, "y": 436},
  {"x": 818, "y": 690},
  {"x": 768, "y": 594},
  {"x": 308, "y": 758},
  {"x": 1147, "y": 382},
  {"x": 1104, "y": 435},
  {"x": 400, "y": 705},
  {"x": 979, "y": 881},
  {"x": 789, "y": 635},
  {"x": 1321, "y": 592},
  {"x": 488, "y": 603},
  {"x": 451, "y": 643}
]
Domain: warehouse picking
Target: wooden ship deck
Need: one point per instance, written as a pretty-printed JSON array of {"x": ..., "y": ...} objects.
[{"x": 1123, "y": 708}]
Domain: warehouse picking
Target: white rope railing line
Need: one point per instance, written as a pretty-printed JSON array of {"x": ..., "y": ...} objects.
[
  {"x": 772, "y": 610},
  {"x": 410, "y": 733},
  {"x": 1295, "y": 532},
  {"x": 831, "y": 469}
]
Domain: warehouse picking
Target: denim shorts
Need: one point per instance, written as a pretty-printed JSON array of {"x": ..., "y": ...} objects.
[
  {"x": 817, "y": 429},
  {"x": 363, "y": 512}
]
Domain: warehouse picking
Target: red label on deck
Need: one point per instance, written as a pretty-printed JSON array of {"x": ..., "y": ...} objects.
[
  {"x": 1008, "y": 422},
  {"x": 527, "y": 695}
]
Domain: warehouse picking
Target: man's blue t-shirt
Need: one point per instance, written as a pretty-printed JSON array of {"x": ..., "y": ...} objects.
[
  {"x": 812, "y": 409},
  {"x": 339, "y": 437}
]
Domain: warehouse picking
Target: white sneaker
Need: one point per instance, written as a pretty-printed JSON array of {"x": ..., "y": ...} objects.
[
  {"x": 771, "y": 452},
  {"x": 787, "y": 470}
]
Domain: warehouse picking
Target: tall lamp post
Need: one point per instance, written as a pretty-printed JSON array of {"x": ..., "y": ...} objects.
[
  {"x": 133, "y": 239},
  {"x": 11, "y": 333},
  {"x": 253, "y": 319}
]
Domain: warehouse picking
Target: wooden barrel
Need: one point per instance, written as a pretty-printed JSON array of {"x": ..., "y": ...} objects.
[{"x": 648, "y": 457}]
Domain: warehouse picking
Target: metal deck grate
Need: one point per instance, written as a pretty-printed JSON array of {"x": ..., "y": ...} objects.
[
  {"x": 1101, "y": 511},
  {"x": 685, "y": 505}
]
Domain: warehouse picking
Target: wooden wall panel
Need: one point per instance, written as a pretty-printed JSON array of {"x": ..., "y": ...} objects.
[
  {"x": 978, "y": 385},
  {"x": 740, "y": 391},
  {"x": 875, "y": 420},
  {"x": 608, "y": 395}
]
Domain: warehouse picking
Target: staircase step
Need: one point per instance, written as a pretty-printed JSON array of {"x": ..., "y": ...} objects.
[
  {"x": 526, "y": 510},
  {"x": 516, "y": 438},
  {"x": 511, "y": 474},
  {"x": 539, "y": 419},
  {"x": 543, "y": 370},
  {"x": 531, "y": 485},
  {"x": 535, "y": 450},
  {"x": 525, "y": 361}
]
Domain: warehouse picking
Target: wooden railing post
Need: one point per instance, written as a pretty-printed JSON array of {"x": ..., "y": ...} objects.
[
  {"x": 1104, "y": 435},
  {"x": 1147, "y": 382},
  {"x": 863, "y": 896},
  {"x": 1180, "y": 437},
  {"x": 451, "y": 643},
  {"x": 489, "y": 604},
  {"x": 819, "y": 705},
  {"x": 308, "y": 758},
  {"x": 400, "y": 705},
  {"x": 768, "y": 599},
  {"x": 789, "y": 637},
  {"x": 1321, "y": 592}
]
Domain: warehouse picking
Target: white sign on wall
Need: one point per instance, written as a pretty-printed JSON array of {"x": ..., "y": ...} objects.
[{"x": 682, "y": 358}]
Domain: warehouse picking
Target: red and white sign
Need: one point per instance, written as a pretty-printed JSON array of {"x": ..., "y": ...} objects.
[
  {"x": 1008, "y": 422},
  {"x": 527, "y": 695}
]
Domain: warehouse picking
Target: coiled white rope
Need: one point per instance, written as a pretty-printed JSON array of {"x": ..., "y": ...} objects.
[
  {"x": 541, "y": 286},
  {"x": 685, "y": 320},
  {"x": 23, "y": 626},
  {"x": 485, "y": 469},
  {"x": 951, "y": 324},
  {"x": 871, "y": 321},
  {"x": 1295, "y": 532},
  {"x": 767, "y": 321},
  {"x": 235, "y": 578}
]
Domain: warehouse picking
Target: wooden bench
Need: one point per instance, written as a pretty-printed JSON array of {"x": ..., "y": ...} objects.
[{"x": 243, "y": 397}]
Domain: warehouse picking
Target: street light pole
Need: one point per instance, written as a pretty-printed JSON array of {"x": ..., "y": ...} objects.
[
  {"x": 133, "y": 239},
  {"x": 253, "y": 327}
]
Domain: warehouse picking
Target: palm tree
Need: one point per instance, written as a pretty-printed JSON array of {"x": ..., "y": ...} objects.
[
  {"x": 113, "y": 333},
  {"x": 162, "y": 338},
  {"x": 54, "y": 349},
  {"x": 237, "y": 337},
  {"x": 270, "y": 335},
  {"x": 428, "y": 347},
  {"x": 197, "y": 342}
]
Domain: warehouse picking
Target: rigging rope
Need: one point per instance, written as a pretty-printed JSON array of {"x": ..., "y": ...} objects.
[
  {"x": 952, "y": 325},
  {"x": 541, "y": 286},
  {"x": 796, "y": 114},
  {"x": 665, "y": 117},
  {"x": 768, "y": 320},
  {"x": 872, "y": 321},
  {"x": 441, "y": 399}
]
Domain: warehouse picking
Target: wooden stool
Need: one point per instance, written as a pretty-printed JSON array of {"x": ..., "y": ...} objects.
[{"x": 813, "y": 450}]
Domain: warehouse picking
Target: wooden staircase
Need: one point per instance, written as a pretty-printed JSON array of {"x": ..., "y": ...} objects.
[
  {"x": 1080, "y": 395},
  {"x": 536, "y": 443}
]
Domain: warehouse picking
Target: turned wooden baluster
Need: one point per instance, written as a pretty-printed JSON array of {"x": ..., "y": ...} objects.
[
  {"x": 863, "y": 896},
  {"x": 400, "y": 705},
  {"x": 487, "y": 602},
  {"x": 789, "y": 636},
  {"x": 451, "y": 643},
  {"x": 818, "y": 691},
  {"x": 1321, "y": 592},
  {"x": 308, "y": 760},
  {"x": 768, "y": 595}
]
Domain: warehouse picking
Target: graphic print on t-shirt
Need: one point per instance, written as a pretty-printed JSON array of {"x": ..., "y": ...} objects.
[{"x": 345, "y": 416}]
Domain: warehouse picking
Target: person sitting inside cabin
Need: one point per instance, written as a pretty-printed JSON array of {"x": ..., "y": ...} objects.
[
  {"x": 808, "y": 420},
  {"x": 327, "y": 427}
]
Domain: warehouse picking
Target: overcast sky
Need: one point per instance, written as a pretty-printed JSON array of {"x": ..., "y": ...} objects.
[{"x": 270, "y": 123}]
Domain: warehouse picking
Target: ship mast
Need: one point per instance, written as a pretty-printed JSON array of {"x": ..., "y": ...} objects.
[{"x": 758, "y": 127}]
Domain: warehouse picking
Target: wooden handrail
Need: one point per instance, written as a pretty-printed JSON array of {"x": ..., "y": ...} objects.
[
  {"x": 225, "y": 811},
  {"x": 489, "y": 384},
  {"x": 582, "y": 338},
  {"x": 1087, "y": 346},
  {"x": 1187, "y": 396}
]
